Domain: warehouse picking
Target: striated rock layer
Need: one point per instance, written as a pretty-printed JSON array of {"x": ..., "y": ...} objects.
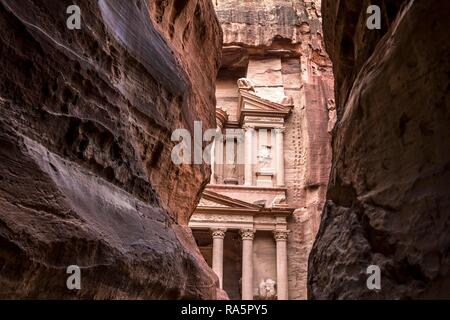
[
  {"x": 86, "y": 176},
  {"x": 277, "y": 44},
  {"x": 388, "y": 202}
]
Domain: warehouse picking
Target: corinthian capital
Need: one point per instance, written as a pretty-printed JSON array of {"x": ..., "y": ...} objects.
[
  {"x": 279, "y": 130},
  {"x": 218, "y": 233},
  {"x": 281, "y": 235},
  {"x": 247, "y": 234}
]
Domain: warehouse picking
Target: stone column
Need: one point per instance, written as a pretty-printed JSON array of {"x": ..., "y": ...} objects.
[
  {"x": 248, "y": 167},
  {"x": 282, "y": 271},
  {"x": 247, "y": 263},
  {"x": 279, "y": 151},
  {"x": 219, "y": 156},
  {"x": 213, "y": 162},
  {"x": 231, "y": 169},
  {"x": 218, "y": 235},
  {"x": 214, "y": 153}
]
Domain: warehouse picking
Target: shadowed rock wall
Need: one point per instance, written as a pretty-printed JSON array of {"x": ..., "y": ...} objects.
[
  {"x": 388, "y": 201},
  {"x": 86, "y": 176}
]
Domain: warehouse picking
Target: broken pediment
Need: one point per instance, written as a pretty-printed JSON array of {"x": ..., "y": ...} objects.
[
  {"x": 216, "y": 200},
  {"x": 250, "y": 104}
]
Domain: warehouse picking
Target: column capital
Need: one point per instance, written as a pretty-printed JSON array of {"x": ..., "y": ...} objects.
[
  {"x": 218, "y": 233},
  {"x": 281, "y": 235},
  {"x": 247, "y": 234},
  {"x": 280, "y": 130},
  {"x": 247, "y": 127}
]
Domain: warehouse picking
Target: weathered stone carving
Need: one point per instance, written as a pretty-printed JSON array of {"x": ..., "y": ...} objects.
[
  {"x": 265, "y": 158},
  {"x": 267, "y": 289},
  {"x": 246, "y": 84},
  {"x": 287, "y": 101},
  {"x": 280, "y": 199}
]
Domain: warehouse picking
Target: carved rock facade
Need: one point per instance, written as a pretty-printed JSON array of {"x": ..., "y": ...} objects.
[{"x": 275, "y": 75}]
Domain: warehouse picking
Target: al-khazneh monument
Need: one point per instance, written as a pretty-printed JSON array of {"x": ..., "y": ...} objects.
[
  {"x": 256, "y": 220},
  {"x": 87, "y": 176}
]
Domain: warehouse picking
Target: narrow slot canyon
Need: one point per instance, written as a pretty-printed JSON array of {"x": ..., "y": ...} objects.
[{"x": 224, "y": 149}]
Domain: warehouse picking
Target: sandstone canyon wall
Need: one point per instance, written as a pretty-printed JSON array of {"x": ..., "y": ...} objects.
[
  {"x": 86, "y": 176},
  {"x": 277, "y": 44},
  {"x": 388, "y": 202}
]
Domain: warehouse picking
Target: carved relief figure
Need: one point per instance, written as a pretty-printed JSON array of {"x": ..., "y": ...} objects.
[
  {"x": 267, "y": 289},
  {"x": 246, "y": 84},
  {"x": 231, "y": 171},
  {"x": 265, "y": 157}
]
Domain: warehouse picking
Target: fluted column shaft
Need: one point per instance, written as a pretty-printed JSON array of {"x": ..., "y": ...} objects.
[
  {"x": 216, "y": 155},
  {"x": 219, "y": 156},
  {"x": 248, "y": 168},
  {"x": 213, "y": 162},
  {"x": 279, "y": 145},
  {"x": 218, "y": 235},
  {"x": 282, "y": 270},
  {"x": 247, "y": 264}
]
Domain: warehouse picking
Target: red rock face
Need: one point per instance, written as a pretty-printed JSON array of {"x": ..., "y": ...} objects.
[
  {"x": 265, "y": 32},
  {"x": 86, "y": 176},
  {"x": 388, "y": 202}
]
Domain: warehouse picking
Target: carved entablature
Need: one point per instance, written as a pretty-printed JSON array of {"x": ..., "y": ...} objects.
[
  {"x": 253, "y": 119},
  {"x": 220, "y": 218},
  {"x": 222, "y": 212},
  {"x": 265, "y": 122}
]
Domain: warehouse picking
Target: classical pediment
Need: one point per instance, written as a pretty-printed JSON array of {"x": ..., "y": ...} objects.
[
  {"x": 253, "y": 102},
  {"x": 216, "y": 200},
  {"x": 252, "y": 105},
  {"x": 208, "y": 203}
]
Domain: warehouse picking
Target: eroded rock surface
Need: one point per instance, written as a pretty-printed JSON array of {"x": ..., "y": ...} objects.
[
  {"x": 86, "y": 176},
  {"x": 388, "y": 202}
]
